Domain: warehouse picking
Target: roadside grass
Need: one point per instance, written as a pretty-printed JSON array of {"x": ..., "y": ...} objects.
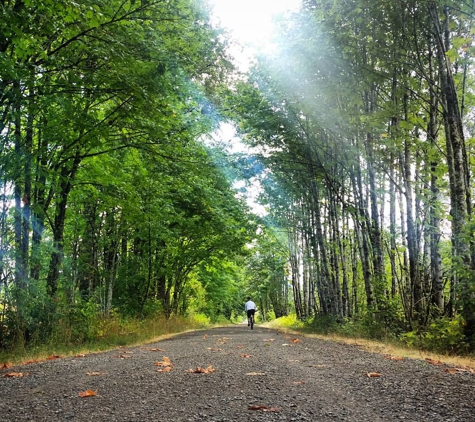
[
  {"x": 111, "y": 334},
  {"x": 290, "y": 325}
]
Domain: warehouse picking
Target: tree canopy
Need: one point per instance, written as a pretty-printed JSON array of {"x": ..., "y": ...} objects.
[{"x": 115, "y": 200}]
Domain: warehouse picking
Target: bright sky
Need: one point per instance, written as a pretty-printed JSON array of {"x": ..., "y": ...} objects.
[{"x": 250, "y": 21}]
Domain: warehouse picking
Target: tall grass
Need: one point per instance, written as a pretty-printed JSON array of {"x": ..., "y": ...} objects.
[{"x": 101, "y": 334}]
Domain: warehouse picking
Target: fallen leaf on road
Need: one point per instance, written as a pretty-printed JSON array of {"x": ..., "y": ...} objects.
[
  {"x": 270, "y": 339},
  {"x": 466, "y": 369},
  {"x": 298, "y": 382},
  {"x": 81, "y": 355},
  {"x": 256, "y": 373},
  {"x": 451, "y": 370},
  {"x": 200, "y": 370},
  {"x": 95, "y": 374},
  {"x": 122, "y": 356},
  {"x": 166, "y": 369},
  {"x": 165, "y": 362},
  {"x": 434, "y": 362},
  {"x": 53, "y": 357},
  {"x": 393, "y": 357},
  {"x": 14, "y": 375},
  {"x": 296, "y": 340},
  {"x": 285, "y": 344},
  {"x": 157, "y": 349},
  {"x": 87, "y": 393},
  {"x": 214, "y": 349},
  {"x": 264, "y": 408},
  {"x": 245, "y": 355},
  {"x": 5, "y": 365},
  {"x": 373, "y": 374},
  {"x": 205, "y": 336},
  {"x": 319, "y": 366},
  {"x": 239, "y": 347}
]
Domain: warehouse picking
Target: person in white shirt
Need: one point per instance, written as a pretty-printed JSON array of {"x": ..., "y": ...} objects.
[{"x": 250, "y": 308}]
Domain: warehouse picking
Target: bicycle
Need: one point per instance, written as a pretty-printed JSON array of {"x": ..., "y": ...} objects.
[{"x": 250, "y": 321}]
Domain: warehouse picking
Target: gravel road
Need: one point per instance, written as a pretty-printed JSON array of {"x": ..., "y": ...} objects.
[{"x": 282, "y": 377}]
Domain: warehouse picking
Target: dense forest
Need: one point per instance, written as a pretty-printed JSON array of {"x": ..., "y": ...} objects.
[{"x": 118, "y": 200}]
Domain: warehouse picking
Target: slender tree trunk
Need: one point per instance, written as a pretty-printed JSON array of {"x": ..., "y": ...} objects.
[
  {"x": 362, "y": 241},
  {"x": 325, "y": 277},
  {"x": 437, "y": 297},
  {"x": 67, "y": 175},
  {"x": 459, "y": 174}
]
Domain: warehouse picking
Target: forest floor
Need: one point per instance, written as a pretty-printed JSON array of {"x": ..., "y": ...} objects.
[{"x": 237, "y": 374}]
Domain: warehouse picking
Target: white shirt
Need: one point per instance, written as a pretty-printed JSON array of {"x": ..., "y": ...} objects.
[{"x": 249, "y": 305}]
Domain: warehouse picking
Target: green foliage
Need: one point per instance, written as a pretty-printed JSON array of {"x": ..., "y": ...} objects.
[
  {"x": 289, "y": 321},
  {"x": 443, "y": 335},
  {"x": 105, "y": 106}
]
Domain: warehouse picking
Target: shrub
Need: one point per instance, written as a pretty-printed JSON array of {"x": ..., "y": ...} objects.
[{"x": 443, "y": 335}]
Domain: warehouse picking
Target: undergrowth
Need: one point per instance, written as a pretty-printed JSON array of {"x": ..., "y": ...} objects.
[
  {"x": 443, "y": 336},
  {"x": 102, "y": 334}
]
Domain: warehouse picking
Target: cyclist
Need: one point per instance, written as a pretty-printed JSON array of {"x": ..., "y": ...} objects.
[{"x": 250, "y": 308}]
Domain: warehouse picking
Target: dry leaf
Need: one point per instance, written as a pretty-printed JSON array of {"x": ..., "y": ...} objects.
[
  {"x": 270, "y": 339},
  {"x": 166, "y": 362},
  {"x": 373, "y": 374},
  {"x": 257, "y": 407},
  {"x": 5, "y": 365},
  {"x": 87, "y": 393},
  {"x": 394, "y": 357},
  {"x": 81, "y": 355},
  {"x": 285, "y": 344},
  {"x": 95, "y": 374},
  {"x": 264, "y": 408},
  {"x": 122, "y": 356},
  {"x": 239, "y": 347},
  {"x": 166, "y": 369},
  {"x": 319, "y": 366},
  {"x": 298, "y": 382},
  {"x": 256, "y": 373},
  {"x": 296, "y": 340},
  {"x": 214, "y": 349},
  {"x": 205, "y": 336},
  {"x": 451, "y": 370},
  {"x": 245, "y": 355},
  {"x": 157, "y": 349},
  {"x": 466, "y": 369},
  {"x": 14, "y": 375},
  {"x": 434, "y": 362},
  {"x": 53, "y": 357},
  {"x": 272, "y": 409},
  {"x": 200, "y": 370}
]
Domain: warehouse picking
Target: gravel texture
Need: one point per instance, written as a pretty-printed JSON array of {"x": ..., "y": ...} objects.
[{"x": 286, "y": 379}]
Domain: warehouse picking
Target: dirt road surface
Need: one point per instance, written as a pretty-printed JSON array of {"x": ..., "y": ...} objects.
[{"x": 258, "y": 375}]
